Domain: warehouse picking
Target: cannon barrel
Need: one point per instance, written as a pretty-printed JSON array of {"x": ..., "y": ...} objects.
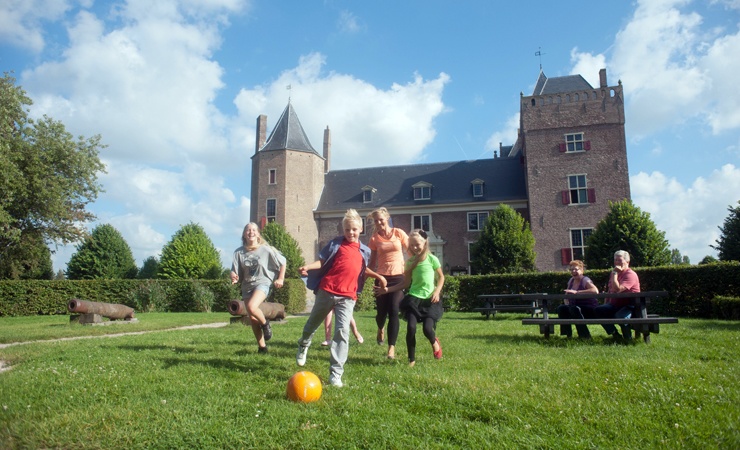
[
  {"x": 271, "y": 310},
  {"x": 109, "y": 310}
]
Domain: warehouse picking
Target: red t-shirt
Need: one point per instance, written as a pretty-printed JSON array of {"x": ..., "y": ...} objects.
[{"x": 341, "y": 279}]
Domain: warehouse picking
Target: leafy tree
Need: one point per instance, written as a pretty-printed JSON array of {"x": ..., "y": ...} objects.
[
  {"x": 47, "y": 177},
  {"x": 277, "y": 236},
  {"x": 29, "y": 259},
  {"x": 709, "y": 259},
  {"x": 102, "y": 255},
  {"x": 677, "y": 259},
  {"x": 190, "y": 254},
  {"x": 628, "y": 228},
  {"x": 728, "y": 244},
  {"x": 149, "y": 269},
  {"x": 506, "y": 244}
]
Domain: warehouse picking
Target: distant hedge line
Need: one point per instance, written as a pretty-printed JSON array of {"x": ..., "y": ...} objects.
[
  {"x": 32, "y": 297},
  {"x": 705, "y": 291}
]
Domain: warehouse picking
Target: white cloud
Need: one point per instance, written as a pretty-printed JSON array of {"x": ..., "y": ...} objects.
[
  {"x": 689, "y": 215},
  {"x": 506, "y": 136},
  {"x": 22, "y": 21},
  {"x": 369, "y": 125},
  {"x": 348, "y": 23},
  {"x": 587, "y": 65}
]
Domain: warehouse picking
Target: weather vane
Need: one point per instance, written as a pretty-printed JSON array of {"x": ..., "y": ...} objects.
[
  {"x": 539, "y": 53},
  {"x": 288, "y": 87}
]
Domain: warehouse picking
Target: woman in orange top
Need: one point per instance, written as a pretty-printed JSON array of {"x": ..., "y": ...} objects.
[{"x": 388, "y": 246}]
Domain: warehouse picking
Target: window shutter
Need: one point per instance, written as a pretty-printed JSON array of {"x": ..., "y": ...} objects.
[
  {"x": 562, "y": 147},
  {"x": 587, "y": 145},
  {"x": 565, "y": 195},
  {"x": 565, "y": 256},
  {"x": 591, "y": 195}
]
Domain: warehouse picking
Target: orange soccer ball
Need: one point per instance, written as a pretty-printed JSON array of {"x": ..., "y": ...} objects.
[{"x": 304, "y": 387}]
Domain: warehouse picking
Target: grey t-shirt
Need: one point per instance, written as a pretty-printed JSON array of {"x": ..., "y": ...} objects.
[{"x": 257, "y": 267}]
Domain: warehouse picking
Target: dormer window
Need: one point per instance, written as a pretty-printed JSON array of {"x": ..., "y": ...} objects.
[
  {"x": 422, "y": 191},
  {"x": 477, "y": 187},
  {"x": 367, "y": 194}
]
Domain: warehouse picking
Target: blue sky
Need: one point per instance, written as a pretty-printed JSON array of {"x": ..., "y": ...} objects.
[{"x": 175, "y": 86}]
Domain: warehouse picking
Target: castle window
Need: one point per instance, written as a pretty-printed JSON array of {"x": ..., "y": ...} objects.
[
  {"x": 477, "y": 220},
  {"x": 578, "y": 193},
  {"x": 367, "y": 194},
  {"x": 578, "y": 239},
  {"x": 422, "y": 191},
  {"x": 423, "y": 222},
  {"x": 271, "y": 209},
  {"x": 272, "y": 176},
  {"x": 574, "y": 142},
  {"x": 477, "y": 187}
]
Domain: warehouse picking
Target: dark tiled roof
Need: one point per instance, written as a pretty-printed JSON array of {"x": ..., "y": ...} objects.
[
  {"x": 557, "y": 85},
  {"x": 288, "y": 134},
  {"x": 451, "y": 183}
]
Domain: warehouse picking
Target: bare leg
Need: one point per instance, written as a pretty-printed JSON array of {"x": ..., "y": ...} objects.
[
  {"x": 256, "y": 316},
  {"x": 327, "y": 329},
  {"x": 355, "y": 331},
  {"x": 257, "y": 330}
]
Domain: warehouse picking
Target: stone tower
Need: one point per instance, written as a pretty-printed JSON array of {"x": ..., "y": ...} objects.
[
  {"x": 287, "y": 179},
  {"x": 572, "y": 144}
]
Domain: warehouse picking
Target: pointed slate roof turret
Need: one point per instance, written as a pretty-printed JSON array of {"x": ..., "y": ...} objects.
[
  {"x": 288, "y": 134},
  {"x": 557, "y": 85}
]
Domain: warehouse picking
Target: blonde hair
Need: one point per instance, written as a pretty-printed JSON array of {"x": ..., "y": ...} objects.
[
  {"x": 352, "y": 216},
  {"x": 374, "y": 215},
  {"x": 577, "y": 263},
  {"x": 245, "y": 241},
  {"x": 416, "y": 259}
]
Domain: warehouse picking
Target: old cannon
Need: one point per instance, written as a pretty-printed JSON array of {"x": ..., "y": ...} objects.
[
  {"x": 92, "y": 312},
  {"x": 271, "y": 310}
]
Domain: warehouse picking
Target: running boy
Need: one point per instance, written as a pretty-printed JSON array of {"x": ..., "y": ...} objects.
[{"x": 336, "y": 278}]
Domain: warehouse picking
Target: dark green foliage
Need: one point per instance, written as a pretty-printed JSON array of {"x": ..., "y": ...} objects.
[
  {"x": 149, "y": 297},
  {"x": 47, "y": 177},
  {"x": 276, "y": 235},
  {"x": 728, "y": 244},
  {"x": 29, "y": 259},
  {"x": 506, "y": 244},
  {"x": 709, "y": 259},
  {"x": 149, "y": 269},
  {"x": 726, "y": 308},
  {"x": 677, "y": 258},
  {"x": 102, "y": 255},
  {"x": 190, "y": 254},
  {"x": 626, "y": 227},
  {"x": 292, "y": 295}
]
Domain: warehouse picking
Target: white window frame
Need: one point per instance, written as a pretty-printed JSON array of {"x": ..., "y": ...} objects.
[
  {"x": 420, "y": 218},
  {"x": 477, "y": 188},
  {"x": 470, "y": 251},
  {"x": 481, "y": 217},
  {"x": 422, "y": 191},
  {"x": 580, "y": 192},
  {"x": 270, "y": 218},
  {"x": 575, "y": 142},
  {"x": 582, "y": 247},
  {"x": 271, "y": 176}
]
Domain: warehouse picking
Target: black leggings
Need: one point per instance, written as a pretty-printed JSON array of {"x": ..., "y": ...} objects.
[
  {"x": 428, "y": 329},
  {"x": 387, "y": 305}
]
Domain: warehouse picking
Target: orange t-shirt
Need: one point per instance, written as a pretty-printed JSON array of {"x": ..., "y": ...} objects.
[{"x": 389, "y": 251}]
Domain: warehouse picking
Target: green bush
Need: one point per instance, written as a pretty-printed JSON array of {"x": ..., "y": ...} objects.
[
  {"x": 149, "y": 297},
  {"x": 366, "y": 299},
  {"x": 292, "y": 295},
  {"x": 726, "y": 308}
]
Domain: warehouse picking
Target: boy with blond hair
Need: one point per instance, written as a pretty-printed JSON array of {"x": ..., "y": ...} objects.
[{"x": 337, "y": 278}]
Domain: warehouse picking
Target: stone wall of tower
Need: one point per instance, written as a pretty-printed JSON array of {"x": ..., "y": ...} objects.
[
  {"x": 545, "y": 120},
  {"x": 303, "y": 184}
]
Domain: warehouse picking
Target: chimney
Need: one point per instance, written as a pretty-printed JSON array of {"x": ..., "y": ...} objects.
[
  {"x": 261, "y": 132},
  {"x": 327, "y": 149},
  {"x": 602, "y": 78}
]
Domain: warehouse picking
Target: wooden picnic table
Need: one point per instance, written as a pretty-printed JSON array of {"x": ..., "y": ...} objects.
[{"x": 641, "y": 321}]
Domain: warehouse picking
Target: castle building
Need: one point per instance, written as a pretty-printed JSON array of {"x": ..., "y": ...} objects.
[{"x": 568, "y": 162}]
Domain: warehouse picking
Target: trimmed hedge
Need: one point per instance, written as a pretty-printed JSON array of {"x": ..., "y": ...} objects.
[
  {"x": 32, "y": 297},
  {"x": 691, "y": 288}
]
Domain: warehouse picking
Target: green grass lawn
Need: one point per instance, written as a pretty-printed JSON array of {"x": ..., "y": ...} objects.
[{"x": 499, "y": 385}]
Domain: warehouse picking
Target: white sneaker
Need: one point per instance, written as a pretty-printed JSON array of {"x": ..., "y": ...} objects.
[
  {"x": 300, "y": 357},
  {"x": 335, "y": 381}
]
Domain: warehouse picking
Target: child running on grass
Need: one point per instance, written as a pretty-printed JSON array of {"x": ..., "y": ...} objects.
[
  {"x": 337, "y": 278},
  {"x": 424, "y": 279}
]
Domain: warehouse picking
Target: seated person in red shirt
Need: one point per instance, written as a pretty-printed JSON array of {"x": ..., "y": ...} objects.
[{"x": 621, "y": 279}]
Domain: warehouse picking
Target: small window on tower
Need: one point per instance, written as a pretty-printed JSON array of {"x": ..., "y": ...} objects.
[{"x": 272, "y": 176}]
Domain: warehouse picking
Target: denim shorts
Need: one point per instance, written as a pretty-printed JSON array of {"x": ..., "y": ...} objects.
[{"x": 260, "y": 287}]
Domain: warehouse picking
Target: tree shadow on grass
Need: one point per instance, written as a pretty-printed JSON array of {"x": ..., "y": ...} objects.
[{"x": 712, "y": 325}]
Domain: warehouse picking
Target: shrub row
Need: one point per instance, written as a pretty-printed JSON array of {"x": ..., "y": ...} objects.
[
  {"x": 692, "y": 289},
  {"x": 31, "y": 297}
]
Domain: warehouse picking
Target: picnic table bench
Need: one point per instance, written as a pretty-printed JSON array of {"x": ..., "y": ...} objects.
[
  {"x": 491, "y": 307},
  {"x": 641, "y": 321}
]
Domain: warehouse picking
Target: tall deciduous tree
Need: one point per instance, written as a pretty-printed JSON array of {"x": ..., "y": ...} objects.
[
  {"x": 104, "y": 254},
  {"x": 506, "y": 244},
  {"x": 190, "y": 254},
  {"x": 277, "y": 236},
  {"x": 626, "y": 227},
  {"x": 149, "y": 269},
  {"x": 47, "y": 177},
  {"x": 728, "y": 244},
  {"x": 30, "y": 259}
]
